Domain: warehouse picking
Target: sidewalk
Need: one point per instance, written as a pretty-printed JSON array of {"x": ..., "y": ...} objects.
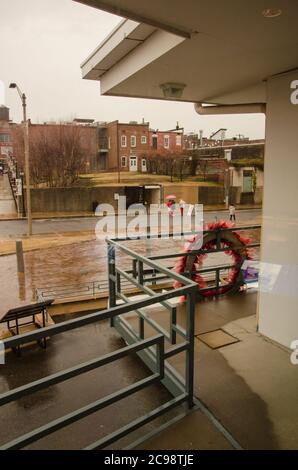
[
  {"x": 38, "y": 242},
  {"x": 79, "y": 214},
  {"x": 7, "y": 204}
]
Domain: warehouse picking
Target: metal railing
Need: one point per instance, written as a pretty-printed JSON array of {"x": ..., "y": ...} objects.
[
  {"x": 151, "y": 349},
  {"x": 154, "y": 349},
  {"x": 65, "y": 291},
  {"x": 206, "y": 272},
  {"x": 85, "y": 290}
]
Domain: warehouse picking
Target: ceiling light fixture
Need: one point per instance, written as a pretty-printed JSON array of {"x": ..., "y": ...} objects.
[
  {"x": 172, "y": 90},
  {"x": 272, "y": 12}
]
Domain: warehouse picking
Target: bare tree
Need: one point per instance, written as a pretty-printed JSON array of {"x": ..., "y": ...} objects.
[{"x": 58, "y": 153}]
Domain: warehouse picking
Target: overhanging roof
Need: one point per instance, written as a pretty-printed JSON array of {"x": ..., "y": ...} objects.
[{"x": 222, "y": 50}]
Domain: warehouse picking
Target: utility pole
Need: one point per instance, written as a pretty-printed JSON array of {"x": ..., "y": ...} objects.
[{"x": 26, "y": 151}]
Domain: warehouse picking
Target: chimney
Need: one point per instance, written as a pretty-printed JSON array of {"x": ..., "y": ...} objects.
[{"x": 201, "y": 138}]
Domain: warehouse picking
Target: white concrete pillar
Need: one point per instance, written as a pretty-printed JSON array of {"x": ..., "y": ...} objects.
[{"x": 278, "y": 297}]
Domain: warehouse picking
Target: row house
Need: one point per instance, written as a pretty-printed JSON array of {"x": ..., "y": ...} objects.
[
  {"x": 171, "y": 141},
  {"x": 130, "y": 144},
  {"x": 107, "y": 146}
]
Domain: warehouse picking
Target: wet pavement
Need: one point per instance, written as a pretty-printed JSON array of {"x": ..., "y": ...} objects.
[
  {"x": 63, "y": 351},
  {"x": 74, "y": 264},
  {"x": 19, "y": 227},
  {"x": 7, "y": 204},
  {"x": 250, "y": 386}
]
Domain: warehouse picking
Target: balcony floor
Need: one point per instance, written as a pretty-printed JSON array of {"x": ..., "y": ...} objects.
[{"x": 250, "y": 386}]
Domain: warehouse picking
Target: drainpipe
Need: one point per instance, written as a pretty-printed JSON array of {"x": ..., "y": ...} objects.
[{"x": 230, "y": 108}]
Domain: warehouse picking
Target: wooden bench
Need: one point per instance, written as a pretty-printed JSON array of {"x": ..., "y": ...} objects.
[{"x": 39, "y": 317}]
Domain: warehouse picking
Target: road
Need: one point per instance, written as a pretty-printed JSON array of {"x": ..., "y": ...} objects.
[{"x": 17, "y": 228}]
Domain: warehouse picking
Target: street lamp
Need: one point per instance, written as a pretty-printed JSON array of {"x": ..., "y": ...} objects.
[
  {"x": 23, "y": 199},
  {"x": 26, "y": 144}
]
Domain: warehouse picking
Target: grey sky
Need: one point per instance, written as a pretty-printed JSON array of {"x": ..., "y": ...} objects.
[{"x": 43, "y": 43}]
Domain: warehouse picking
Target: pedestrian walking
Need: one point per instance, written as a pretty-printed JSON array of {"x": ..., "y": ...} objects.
[
  {"x": 232, "y": 212},
  {"x": 171, "y": 207}
]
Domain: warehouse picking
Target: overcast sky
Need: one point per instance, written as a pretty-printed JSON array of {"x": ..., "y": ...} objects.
[{"x": 43, "y": 43}]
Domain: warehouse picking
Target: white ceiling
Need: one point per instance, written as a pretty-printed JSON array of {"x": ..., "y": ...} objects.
[{"x": 231, "y": 50}]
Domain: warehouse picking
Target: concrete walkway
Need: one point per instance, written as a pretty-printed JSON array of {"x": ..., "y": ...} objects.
[
  {"x": 7, "y": 205},
  {"x": 250, "y": 386}
]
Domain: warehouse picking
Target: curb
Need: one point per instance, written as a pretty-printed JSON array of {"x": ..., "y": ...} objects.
[{"x": 81, "y": 216}]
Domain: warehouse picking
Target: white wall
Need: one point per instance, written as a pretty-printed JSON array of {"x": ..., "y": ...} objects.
[
  {"x": 260, "y": 178},
  {"x": 237, "y": 177},
  {"x": 278, "y": 298}
]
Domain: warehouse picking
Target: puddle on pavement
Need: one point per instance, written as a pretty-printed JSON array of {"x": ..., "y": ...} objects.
[
  {"x": 57, "y": 266},
  {"x": 72, "y": 264}
]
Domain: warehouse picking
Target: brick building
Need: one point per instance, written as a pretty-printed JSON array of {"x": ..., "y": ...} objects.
[
  {"x": 194, "y": 141},
  {"x": 171, "y": 141},
  {"x": 6, "y": 135},
  {"x": 127, "y": 145},
  {"x": 113, "y": 146}
]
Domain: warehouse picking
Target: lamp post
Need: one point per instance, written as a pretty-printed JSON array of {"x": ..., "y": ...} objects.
[
  {"x": 26, "y": 145},
  {"x": 23, "y": 199}
]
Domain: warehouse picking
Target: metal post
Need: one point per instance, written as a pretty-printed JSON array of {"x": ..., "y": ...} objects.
[
  {"x": 189, "y": 375},
  {"x": 118, "y": 283},
  {"x": 23, "y": 195},
  {"x": 20, "y": 256},
  {"x": 141, "y": 328},
  {"x": 141, "y": 281},
  {"x": 27, "y": 166},
  {"x": 173, "y": 319},
  {"x": 134, "y": 268},
  {"x": 141, "y": 272},
  {"x": 217, "y": 281},
  {"x": 160, "y": 350},
  {"x": 111, "y": 278}
]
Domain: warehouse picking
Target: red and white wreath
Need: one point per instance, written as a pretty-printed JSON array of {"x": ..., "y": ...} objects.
[{"x": 236, "y": 247}]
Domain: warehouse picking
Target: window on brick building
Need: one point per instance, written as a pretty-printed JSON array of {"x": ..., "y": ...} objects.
[
  {"x": 4, "y": 138},
  {"x": 123, "y": 141},
  {"x": 123, "y": 162},
  {"x": 133, "y": 141},
  {"x": 109, "y": 142},
  {"x": 154, "y": 141},
  {"x": 166, "y": 142},
  {"x": 143, "y": 139},
  {"x": 178, "y": 139}
]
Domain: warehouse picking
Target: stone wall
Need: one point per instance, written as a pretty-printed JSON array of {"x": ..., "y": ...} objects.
[
  {"x": 211, "y": 195},
  {"x": 72, "y": 199}
]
